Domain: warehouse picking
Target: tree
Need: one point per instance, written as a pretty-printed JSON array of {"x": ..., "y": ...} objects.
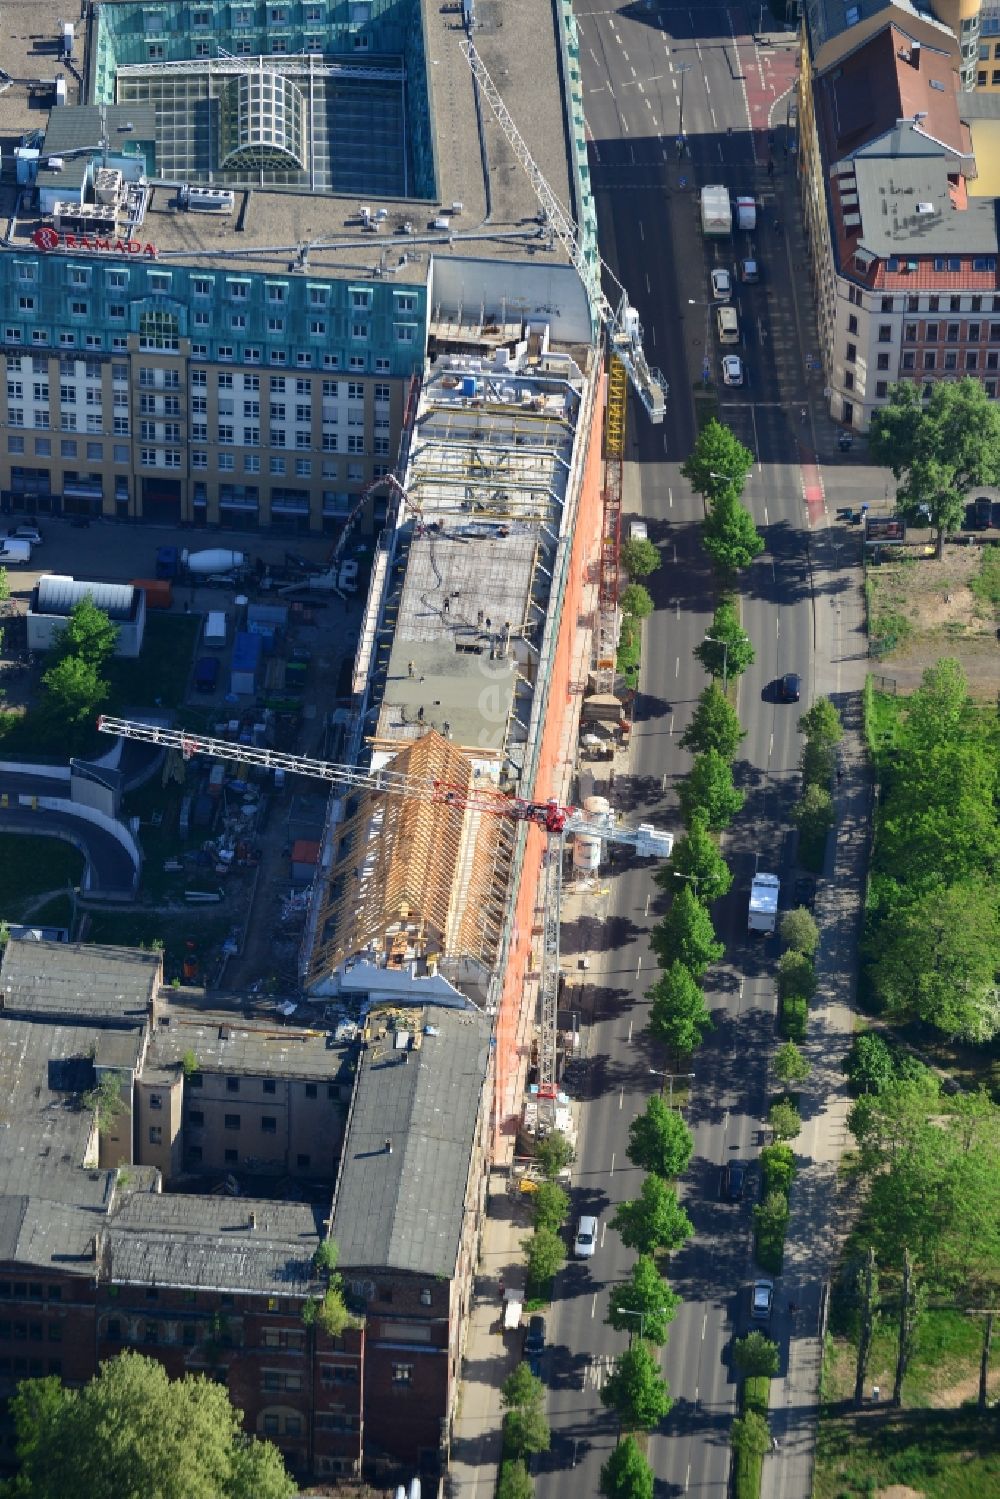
[
  {"x": 799, "y": 930},
  {"x": 678, "y": 1014},
  {"x": 790, "y": 1066},
  {"x": 750, "y": 1434},
  {"x": 726, "y": 651},
  {"x": 755, "y": 1354},
  {"x": 770, "y": 1218},
  {"x": 544, "y": 1253},
  {"x": 626, "y": 1474},
  {"x": 822, "y": 723},
  {"x": 653, "y": 1220},
  {"x": 105, "y": 1100},
  {"x": 869, "y": 1063},
  {"x": 637, "y": 601},
  {"x": 718, "y": 464},
  {"x": 553, "y": 1154},
  {"x": 88, "y": 635},
  {"x": 636, "y": 1390},
  {"x": 784, "y": 1119},
  {"x": 730, "y": 537},
  {"x": 939, "y": 450},
  {"x": 73, "y": 692},
  {"x": 912, "y": 1305},
  {"x": 697, "y": 860},
  {"x": 4, "y": 586},
  {"x": 644, "y": 1305},
  {"x": 813, "y": 814},
  {"x": 938, "y": 959},
  {"x": 132, "y": 1432},
  {"x": 867, "y": 1283},
  {"x": 707, "y": 790},
  {"x": 817, "y": 763},
  {"x": 515, "y": 1480},
  {"x": 796, "y": 975},
  {"x": 686, "y": 934},
  {"x": 549, "y": 1206},
  {"x": 639, "y": 557},
  {"x": 714, "y": 725},
  {"x": 940, "y": 707},
  {"x": 659, "y": 1141},
  {"x": 525, "y": 1428}
]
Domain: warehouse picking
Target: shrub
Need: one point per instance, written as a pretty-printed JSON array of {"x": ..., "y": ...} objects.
[
  {"x": 794, "y": 1016},
  {"x": 777, "y": 1162},
  {"x": 756, "y": 1393}
]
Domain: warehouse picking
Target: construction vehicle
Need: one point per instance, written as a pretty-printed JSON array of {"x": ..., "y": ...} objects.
[
  {"x": 556, "y": 820},
  {"x": 621, "y": 323}
]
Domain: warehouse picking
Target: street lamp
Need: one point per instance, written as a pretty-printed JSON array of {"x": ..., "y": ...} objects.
[
  {"x": 623, "y": 1311},
  {"x": 692, "y": 877},
  {"x": 712, "y": 640},
  {"x": 670, "y": 1076},
  {"x": 685, "y": 67}
]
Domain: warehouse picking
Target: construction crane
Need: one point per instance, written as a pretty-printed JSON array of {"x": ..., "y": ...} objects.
[
  {"x": 621, "y": 323},
  {"x": 557, "y": 821}
]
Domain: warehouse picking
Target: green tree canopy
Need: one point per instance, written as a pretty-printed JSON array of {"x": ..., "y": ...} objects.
[
  {"x": 549, "y": 1206},
  {"x": 544, "y": 1252},
  {"x": 4, "y": 585},
  {"x": 714, "y": 725},
  {"x": 636, "y": 1390},
  {"x": 941, "y": 707},
  {"x": 644, "y": 1305},
  {"x": 88, "y": 634},
  {"x": 799, "y": 930},
  {"x": 796, "y": 974},
  {"x": 627, "y": 1474},
  {"x": 938, "y": 819},
  {"x": 132, "y": 1432},
  {"x": 525, "y": 1428},
  {"x": 938, "y": 960},
  {"x": 818, "y": 761},
  {"x": 718, "y": 463},
  {"x": 639, "y": 557},
  {"x": 750, "y": 1434},
  {"x": 73, "y": 693},
  {"x": 685, "y": 934},
  {"x": 515, "y": 1480},
  {"x": 756, "y": 1354},
  {"x": 940, "y": 449},
  {"x": 653, "y": 1220},
  {"x": 727, "y": 650},
  {"x": 553, "y": 1154},
  {"x": 696, "y": 859},
  {"x": 822, "y": 723},
  {"x": 813, "y": 814},
  {"x": 678, "y": 1013},
  {"x": 730, "y": 537},
  {"x": 708, "y": 791},
  {"x": 790, "y": 1066},
  {"x": 784, "y": 1119},
  {"x": 659, "y": 1140},
  {"x": 869, "y": 1064},
  {"x": 637, "y": 601}
]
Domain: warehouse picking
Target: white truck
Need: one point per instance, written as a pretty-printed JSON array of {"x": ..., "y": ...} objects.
[
  {"x": 763, "y": 916},
  {"x": 716, "y": 211},
  {"x": 746, "y": 213}
]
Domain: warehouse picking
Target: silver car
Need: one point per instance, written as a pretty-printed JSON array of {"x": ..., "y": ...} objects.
[{"x": 586, "y": 1238}]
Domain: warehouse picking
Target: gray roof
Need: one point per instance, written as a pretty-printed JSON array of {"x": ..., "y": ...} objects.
[
  {"x": 194, "y": 1242},
  {"x": 827, "y": 19},
  {"x": 224, "y": 1044},
  {"x": 57, "y": 594},
  {"x": 63, "y": 980},
  {"x": 889, "y": 192},
  {"x": 404, "y": 1209}
]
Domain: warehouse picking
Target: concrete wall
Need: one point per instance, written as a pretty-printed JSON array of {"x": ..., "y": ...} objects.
[{"x": 537, "y": 293}]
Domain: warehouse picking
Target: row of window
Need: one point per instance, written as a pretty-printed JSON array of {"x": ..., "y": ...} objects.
[
  {"x": 974, "y": 302},
  {"x": 882, "y": 387},
  {"x": 30, "y": 1332},
  {"x": 267, "y": 1084},
  {"x": 151, "y": 378},
  {"x": 194, "y": 1156},
  {"x": 405, "y": 335}
]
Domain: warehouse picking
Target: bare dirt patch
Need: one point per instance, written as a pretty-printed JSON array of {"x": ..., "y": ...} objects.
[
  {"x": 899, "y": 1491},
  {"x": 920, "y": 609}
]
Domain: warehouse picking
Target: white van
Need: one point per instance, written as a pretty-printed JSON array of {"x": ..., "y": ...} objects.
[
  {"x": 14, "y": 552},
  {"x": 728, "y": 324}
]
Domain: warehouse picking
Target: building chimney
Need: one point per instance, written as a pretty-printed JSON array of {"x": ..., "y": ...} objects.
[
  {"x": 915, "y": 55},
  {"x": 253, "y": 1222},
  {"x": 388, "y": 1147}
]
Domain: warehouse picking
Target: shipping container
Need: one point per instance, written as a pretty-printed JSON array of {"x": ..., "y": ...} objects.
[{"x": 159, "y": 591}]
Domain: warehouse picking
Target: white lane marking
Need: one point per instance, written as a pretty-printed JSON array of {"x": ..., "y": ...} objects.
[
  {"x": 711, "y": 110},
  {"x": 638, "y": 963},
  {"x": 663, "y": 783},
  {"x": 677, "y": 667},
  {"x": 665, "y": 448},
  {"x": 677, "y": 609},
  {"x": 687, "y": 1479},
  {"x": 770, "y": 747},
  {"x": 621, "y": 1099},
  {"x": 649, "y": 284},
  {"x": 704, "y": 1326},
  {"x": 646, "y": 912},
  {"x": 672, "y": 716},
  {"x": 630, "y": 1033},
  {"x": 604, "y": 1229},
  {"x": 612, "y": 1163},
  {"x": 670, "y": 497},
  {"x": 765, "y": 515},
  {"x": 593, "y": 1307},
  {"x": 777, "y": 629}
]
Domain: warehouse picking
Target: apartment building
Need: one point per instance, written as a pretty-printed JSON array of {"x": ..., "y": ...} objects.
[
  {"x": 902, "y": 226},
  {"x": 833, "y": 28}
]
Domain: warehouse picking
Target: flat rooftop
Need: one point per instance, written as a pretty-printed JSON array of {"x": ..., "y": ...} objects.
[
  {"x": 403, "y": 1208},
  {"x": 224, "y": 1045},
  {"x": 66, "y": 981},
  {"x": 364, "y": 138}
]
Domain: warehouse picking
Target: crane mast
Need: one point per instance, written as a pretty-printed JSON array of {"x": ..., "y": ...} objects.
[
  {"x": 555, "y": 820},
  {"x": 621, "y": 324}
]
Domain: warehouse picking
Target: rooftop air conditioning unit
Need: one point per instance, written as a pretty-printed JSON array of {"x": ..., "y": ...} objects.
[{"x": 209, "y": 199}]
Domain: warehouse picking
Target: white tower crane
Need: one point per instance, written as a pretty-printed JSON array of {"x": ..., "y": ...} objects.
[
  {"x": 555, "y": 819},
  {"x": 622, "y": 324}
]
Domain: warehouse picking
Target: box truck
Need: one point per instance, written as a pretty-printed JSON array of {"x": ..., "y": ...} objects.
[
  {"x": 763, "y": 915},
  {"x": 716, "y": 210}
]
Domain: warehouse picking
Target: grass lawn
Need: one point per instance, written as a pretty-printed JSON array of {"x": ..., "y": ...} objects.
[
  {"x": 162, "y": 671},
  {"x": 31, "y": 866},
  {"x": 937, "y": 1454},
  {"x": 944, "y": 1369}
]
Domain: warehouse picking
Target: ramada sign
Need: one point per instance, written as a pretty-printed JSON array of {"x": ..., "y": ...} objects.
[{"x": 47, "y": 238}]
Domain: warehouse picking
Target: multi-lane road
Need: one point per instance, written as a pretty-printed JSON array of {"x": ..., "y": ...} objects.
[{"x": 641, "y": 66}]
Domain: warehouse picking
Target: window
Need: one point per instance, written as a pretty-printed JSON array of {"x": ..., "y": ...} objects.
[
  {"x": 303, "y": 466},
  {"x": 232, "y": 1085},
  {"x": 950, "y": 359},
  {"x": 909, "y": 333},
  {"x": 232, "y": 1121},
  {"x": 251, "y": 465},
  {"x": 402, "y": 1374},
  {"x": 15, "y": 444},
  {"x": 992, "y": 363},
  {"x": 270, "y": 1086},
  {"x": 230, "y": 1157},
  {"x": 881, "y": 389},
  {"x": 310, "y": 1090},
  {"x": 883, "y": 362},
  {"x": 933, "y": 304},
  {"x": 885, "y": 333},
  {"x": 159, "y": 330},
  {"x": 196, "y": 1116},
  {"x": 887, "y": 304},
  {"x": 849, "y": 380},
  {"x": 930, "y": 359},
  {"x": 954, "y": 329},
  {"x": 971, "y": 359},
  {"x": 933, "y": 333},
  {"x": 155, "y": 1134},
  {"x": 303, "y": 1161},
  {"x": 268, "y": 1124},
  {"x": 955, "y": 304},
  {"x": 852, "y": 323},
  {"x": 909, "y": 362},
  {"x": 276, "y": 466}
]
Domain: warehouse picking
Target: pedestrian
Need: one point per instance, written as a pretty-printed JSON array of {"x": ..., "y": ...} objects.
[
  {"x": 774, "y": 1444},
  {"x": 501, "y": 1288}
]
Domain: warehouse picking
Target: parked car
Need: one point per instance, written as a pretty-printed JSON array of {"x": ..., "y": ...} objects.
[
  {"x": 534, "y": 1342},
  {"x": 586, "y": 1238},
  {"x": 761, "y": 1299},
  {"x": 30, "y": 534},
  {"x": 790, "y": 687},
  {"x": 735, "y": 1181},
  {"x": 732, "y": 369},
  {"x": 722, "y": 285}
]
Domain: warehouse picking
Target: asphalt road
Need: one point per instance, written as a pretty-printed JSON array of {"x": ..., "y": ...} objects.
[{"x": 650, "y": 233}]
